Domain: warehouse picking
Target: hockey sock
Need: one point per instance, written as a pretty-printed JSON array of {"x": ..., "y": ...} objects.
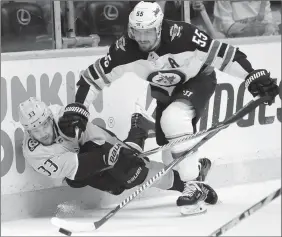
[{"x": 178, "y": 184}]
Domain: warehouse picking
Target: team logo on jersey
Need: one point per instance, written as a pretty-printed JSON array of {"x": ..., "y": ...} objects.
[
  {"x": 175, "y": 31},
  {"x": 167, "y": 78},
  {"x": 114, "y": 154},
  {"x": 120, "y": 43},
  {"x": 32, "y": 144}
]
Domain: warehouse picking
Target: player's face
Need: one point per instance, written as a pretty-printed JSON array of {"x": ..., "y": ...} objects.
[
  {"x": 44, "y": 133},
  {"x": 145, "y": 38}
]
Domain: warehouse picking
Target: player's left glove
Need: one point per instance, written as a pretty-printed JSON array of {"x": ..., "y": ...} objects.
[
  {"x": 259, "y": 82},
  {"x": 75, "y": 116}
]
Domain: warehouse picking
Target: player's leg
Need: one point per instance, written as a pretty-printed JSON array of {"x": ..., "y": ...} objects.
[
  {"x": 142, "y": 126},
  {"x": 170, "y": 181},
  {"x": 102, "y": 181},
  {"x": 178, "y": 119}
]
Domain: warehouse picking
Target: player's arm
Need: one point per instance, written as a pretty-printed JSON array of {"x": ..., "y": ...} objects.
[
  {"x": 231, "y": 60},
  {"x": 94, "y": 79},
  {"x": 120, "y": 162},
  {"x": 105, "y": 70}
]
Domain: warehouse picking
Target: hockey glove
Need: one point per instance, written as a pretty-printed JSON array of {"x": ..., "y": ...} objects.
[
  {"x": 127, "y": 168},
  {"x": 75, "y": 116},
  {"x": 260, "y": 83}
]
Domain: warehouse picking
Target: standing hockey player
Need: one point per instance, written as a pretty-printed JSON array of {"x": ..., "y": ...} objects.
[
  {"x": 96, "y": 159},
  {"x": 178, "y": 61}
]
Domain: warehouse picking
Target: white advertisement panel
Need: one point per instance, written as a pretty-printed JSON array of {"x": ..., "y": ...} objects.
[{"x": 53, "y": 80}]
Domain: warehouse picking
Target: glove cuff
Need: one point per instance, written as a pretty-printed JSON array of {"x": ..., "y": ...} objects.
[{"x": 77, "y": 108}]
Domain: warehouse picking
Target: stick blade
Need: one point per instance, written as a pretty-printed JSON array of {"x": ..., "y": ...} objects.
[{"x": 67, "y": 227}]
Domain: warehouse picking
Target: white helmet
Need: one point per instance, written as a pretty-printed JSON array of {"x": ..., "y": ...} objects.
[
  {"x": 146, "y": 15},
  {"x": 33, "y": 113}
]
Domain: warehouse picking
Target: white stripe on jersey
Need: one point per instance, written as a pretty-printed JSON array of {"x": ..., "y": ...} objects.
[
  {"x": 229, "y": 62},
  {"x": 90, "y": 80},
  {"x": 213, "y": 55},
  {"x": 103, "y": 79}
]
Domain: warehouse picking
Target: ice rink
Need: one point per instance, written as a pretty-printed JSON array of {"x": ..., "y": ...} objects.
[{"x": 160, "y": 216}]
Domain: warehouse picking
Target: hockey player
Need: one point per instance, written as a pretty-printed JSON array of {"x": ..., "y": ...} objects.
[
  {"x": 178, "y": 61},
  {"x": 96, "y": 159}
]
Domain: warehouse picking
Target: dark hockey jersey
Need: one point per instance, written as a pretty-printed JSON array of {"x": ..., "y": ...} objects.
[{"x": 184, "y": 52}]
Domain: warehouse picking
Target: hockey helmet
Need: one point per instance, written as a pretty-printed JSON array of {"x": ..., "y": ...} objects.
[
  {"x": 33, "y": 113},
  {"x": 145, "y": 15}
]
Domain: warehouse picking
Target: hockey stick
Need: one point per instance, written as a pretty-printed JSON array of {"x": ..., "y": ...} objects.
[
  {"x": 245, "y": 110},
  {"x": 67, "y": 227},
  {"x": 239, "y": 114},
  {"x": 235, "y": 221}
]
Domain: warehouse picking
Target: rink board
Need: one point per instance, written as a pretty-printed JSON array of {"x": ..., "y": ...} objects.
[{"x": 249, "y": 151}]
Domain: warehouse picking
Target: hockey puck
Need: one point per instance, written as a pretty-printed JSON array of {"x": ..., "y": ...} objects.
[{"x": 65, "y": 232}]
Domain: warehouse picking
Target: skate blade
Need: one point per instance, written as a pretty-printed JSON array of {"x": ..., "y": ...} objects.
[{"x": 192, "y": 211}]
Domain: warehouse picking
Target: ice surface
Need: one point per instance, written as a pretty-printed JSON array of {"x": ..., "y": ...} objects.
[{"x": 160, "y": 216}]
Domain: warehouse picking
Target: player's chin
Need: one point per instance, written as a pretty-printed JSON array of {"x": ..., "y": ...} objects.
[
  {"x": 145, "y": 47},
  {"x": 47, "y": 142}
]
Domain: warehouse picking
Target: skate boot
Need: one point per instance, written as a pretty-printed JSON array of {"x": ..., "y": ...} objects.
[
  {"x": 195, "y": 194},
  {"x": 204, "y": 166},
  {"x": 142, "y": 119},
  {"x": 191, "y": 202},
  {"x": 211, "y": 195},
  {"x": 142, "y": 127}
]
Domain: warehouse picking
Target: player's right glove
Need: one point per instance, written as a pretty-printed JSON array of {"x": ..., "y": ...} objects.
[
  {"x": 127, "y": 168},
  {"x": 75, "y": 117},
  {"x": 259, "y": 82}
]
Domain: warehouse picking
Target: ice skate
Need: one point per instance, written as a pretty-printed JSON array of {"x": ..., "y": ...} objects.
[
  {"x": 204, "y": 166},
  {"x": 143, "y": 120},
  {"x": 142, "y": 127},
  {"x": 195, "y": 194}
]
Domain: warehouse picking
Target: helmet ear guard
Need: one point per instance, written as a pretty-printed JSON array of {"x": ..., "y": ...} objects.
[{"x": 145, "y": 15}]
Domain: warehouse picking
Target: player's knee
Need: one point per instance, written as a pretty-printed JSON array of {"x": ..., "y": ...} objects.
[
  {"x": 177, "y": 118},
  {"x": 167, "y": 157},
  {"x": 188, "y": 168}
]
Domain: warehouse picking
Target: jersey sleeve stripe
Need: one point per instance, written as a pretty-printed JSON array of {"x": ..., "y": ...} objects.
[
  {"x": 90, "y": 81},
  {"x": 230, "y": 62},
  {"x": 222, "y": 50},
  {"x": 93, "y": 72},
  {"x": 213, "y": 53},
  {"x": 101, "y": 72},
  {"x": 206, "y": 56},
  {"x": 228, "y": 58}
]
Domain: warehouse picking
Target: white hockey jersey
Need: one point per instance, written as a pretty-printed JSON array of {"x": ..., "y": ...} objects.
[
  {"x": 184, "y": 52},
  {"x": 60, "y": 160}
]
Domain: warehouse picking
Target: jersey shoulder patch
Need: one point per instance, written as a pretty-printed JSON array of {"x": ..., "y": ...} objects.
[
  {"x": 120, "y": 43},
  {"x": 175, "y": 31},
  {"x": 32, "y": 144}
]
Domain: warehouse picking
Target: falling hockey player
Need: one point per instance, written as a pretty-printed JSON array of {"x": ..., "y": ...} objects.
[
  {"x": 178, "y": 61},
  {"x": 97, "y": 158}
]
